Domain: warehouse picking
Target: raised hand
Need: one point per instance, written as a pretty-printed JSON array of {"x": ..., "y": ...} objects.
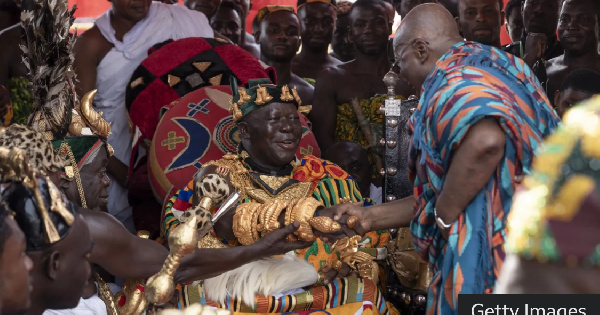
[{"x": 535, "y": 45}]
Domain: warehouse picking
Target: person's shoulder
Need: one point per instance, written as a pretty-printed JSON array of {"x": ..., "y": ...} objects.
[
  {"x": 92, "y": 38},
  {"x": 332, "y": 61},
  {"x": 300, "y": 82},
  {"x": 180, "y": 10},
  {"x": 556, "y": 61},
  {"x": 336, "y": 71}
]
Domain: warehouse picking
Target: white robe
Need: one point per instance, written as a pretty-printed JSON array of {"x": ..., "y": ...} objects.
[
  {"x": 91, "y": 306},
  {"x": 164, "y": 21}
]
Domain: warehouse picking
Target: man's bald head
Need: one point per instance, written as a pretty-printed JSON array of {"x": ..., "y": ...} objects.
[{"x": 424, "y": 35}]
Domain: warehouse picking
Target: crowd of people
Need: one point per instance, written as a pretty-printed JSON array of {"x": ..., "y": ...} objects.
[{"x": 502, "y": 154}]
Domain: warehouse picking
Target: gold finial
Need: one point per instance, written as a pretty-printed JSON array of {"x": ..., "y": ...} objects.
[
  {"x": 93, "y": 118},
  {"x": 244, "y": 97},
  {"x": 262, "y": 96},
  {"x": 285, "y": 94},
  {"x": 235, "y": 111},
  {"x": 183, "y": 240},
  {"x": 296, "y": 96}
]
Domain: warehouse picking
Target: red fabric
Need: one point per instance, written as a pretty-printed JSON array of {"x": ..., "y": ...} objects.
[
  {"x": 144, "y": 112},
  {"x": 204, "y": 135}
]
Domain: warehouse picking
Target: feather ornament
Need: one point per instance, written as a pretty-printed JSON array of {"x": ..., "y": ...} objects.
[{"x": 48, "y": 56}]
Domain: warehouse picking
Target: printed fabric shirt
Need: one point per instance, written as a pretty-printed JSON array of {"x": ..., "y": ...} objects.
[{"x": 469, "y": 83}]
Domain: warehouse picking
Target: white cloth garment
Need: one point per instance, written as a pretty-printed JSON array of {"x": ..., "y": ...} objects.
[
  {"x": 376, "y": 193},
  {"x": 164, "y": 22},
  {"x": 91, "y": 306}
]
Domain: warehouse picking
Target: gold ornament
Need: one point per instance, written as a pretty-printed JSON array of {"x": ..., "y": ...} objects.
[
  {"x": 14, "y": 166},
  {"x": 106, "y": 296},
  {"x": 74, "y": 172},
  {"x": 269, "y": 215},
  {"x": 210, "y": 241},
  {"x": 294, "y": 192},
  {"x": 245, "y": 222},
  {"x": 324, "y": 224},
  {"x": 183, "y": 240},
  {"x": 362, "y": 262},
  {"x": 76, "y": 125},
  {"x": 57, "y": 205},
  {"x": 135, "y": 299},
  {"x": 235, "y": 111},
  {"x": 352, "y": 220},
  {"x": 302, "y": 211},
  {"x": 410, "y": 269},
  {"x": 92, "y": 118},
  {"x": 244, "y": 97},
  {"x": 296, "y": 96},
  {"x": 305, "y": 110},
  {"x": 285, "y": 94},
  {"x": 262, "y": 96}
]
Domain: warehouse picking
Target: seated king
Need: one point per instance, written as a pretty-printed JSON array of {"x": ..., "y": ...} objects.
[{"x": 276, "y": 190}]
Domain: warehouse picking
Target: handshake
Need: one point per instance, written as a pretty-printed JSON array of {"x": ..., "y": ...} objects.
[{"x": 253, "y": 221}]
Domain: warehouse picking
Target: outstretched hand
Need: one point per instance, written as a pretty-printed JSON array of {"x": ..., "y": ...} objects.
[
  {"x": 276, "y": 242},
  {"x": 341, "y": 213}
]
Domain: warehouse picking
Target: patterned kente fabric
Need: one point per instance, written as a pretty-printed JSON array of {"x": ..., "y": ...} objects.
[
  {"x": 469, "y": 83},
  {"x": 555, "y": 219},
  {"x": 347, "y": 127},
  {"x": 329, "y": 184}
]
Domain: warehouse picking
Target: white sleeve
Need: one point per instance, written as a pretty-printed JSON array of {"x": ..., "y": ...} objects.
[{"x": 189, "y": 23}]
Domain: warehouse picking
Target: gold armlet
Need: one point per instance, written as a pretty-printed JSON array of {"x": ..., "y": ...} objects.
[
  {"x": 244, "y": 222},
  {"x": 269, "y": 216},
  {"x": 302, "y": 211}
]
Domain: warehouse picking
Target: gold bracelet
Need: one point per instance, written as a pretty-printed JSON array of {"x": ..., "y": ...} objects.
[
  {"x": 269, "y": 216},
  {"x": 244, "y": 222},
  {"x": 254, "y": 222},
  {"x": 302, "y": 211}
]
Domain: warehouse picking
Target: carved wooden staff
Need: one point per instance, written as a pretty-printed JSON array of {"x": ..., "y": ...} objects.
[{"x": 365, "y": 125}]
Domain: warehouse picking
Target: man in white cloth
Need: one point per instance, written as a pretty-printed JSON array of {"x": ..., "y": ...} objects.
[{"x": 106, "y": 56}]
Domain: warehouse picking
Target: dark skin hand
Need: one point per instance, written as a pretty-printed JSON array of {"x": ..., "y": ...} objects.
[
  {"x": 208, "y": 263},
  {"x": 389, "y": 215},
  {"x": 535, "y": 46},
  {"x": 472, "y": 166}
]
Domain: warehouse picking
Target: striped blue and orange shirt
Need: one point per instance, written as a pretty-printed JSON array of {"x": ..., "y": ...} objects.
[{"x": 470, "y": 82}]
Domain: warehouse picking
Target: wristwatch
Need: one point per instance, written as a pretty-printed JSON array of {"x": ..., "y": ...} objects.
[{"x": 440, "y": 223}]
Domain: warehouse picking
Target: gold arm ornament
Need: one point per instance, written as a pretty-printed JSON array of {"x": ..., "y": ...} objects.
[{"x": 359, "y": 261}]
